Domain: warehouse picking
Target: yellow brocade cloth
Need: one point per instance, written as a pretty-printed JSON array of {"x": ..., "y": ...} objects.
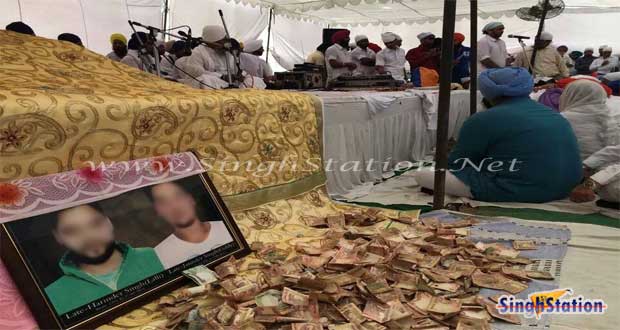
[{"x": 62, "y": 105}]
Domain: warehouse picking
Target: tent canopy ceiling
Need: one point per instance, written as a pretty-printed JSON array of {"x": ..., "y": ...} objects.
[{"x": 376, "y": 12}]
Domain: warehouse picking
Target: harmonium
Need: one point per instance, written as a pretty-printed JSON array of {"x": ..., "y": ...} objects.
[
  {"x": 303, "y": 76},
  {"x": 378, "y": 80}
]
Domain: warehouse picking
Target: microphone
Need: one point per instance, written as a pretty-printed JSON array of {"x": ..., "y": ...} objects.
[
  {"x": 514, "y": 36},
  {"x": 188, "y": 36},
  {"x": 148, "y": 27}
]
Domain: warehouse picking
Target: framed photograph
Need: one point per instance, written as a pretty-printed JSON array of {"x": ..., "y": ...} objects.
[{"x": 85, "y": 264}]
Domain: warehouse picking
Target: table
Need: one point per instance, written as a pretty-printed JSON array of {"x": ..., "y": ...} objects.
[{"x": 366, "y": 134}]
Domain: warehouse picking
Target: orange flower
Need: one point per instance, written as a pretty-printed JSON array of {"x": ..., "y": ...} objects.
[
  {"x": 10, "y": 194},
  {"x": 93, "y": 175},
  {"x": 160, "y": 164}
]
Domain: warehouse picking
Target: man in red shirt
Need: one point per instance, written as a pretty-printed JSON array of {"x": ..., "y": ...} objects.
[{"x": 424, "y": 55}]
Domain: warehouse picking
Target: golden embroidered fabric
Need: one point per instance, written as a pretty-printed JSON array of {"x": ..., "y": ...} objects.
[{"x": 62, "y": 105}]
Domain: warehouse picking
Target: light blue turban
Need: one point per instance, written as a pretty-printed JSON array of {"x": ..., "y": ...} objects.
[
  {"x": 508, "y": 82},
  {"x": 492, "y": 26}
]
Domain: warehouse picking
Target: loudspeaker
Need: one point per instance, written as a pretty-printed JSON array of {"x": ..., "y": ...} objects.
[{"x": 327, "y": 35}]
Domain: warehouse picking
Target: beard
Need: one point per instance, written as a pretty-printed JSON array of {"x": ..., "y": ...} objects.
[
  {"x": 78, "y": 258},
  {"x": 185, "y": 224}
]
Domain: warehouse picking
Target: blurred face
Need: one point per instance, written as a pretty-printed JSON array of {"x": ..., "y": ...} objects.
[
  {"x": 562, "y": 50},
  {"x": 542, "y": 43},
  {"x": 589, "y": 53},
  {"x": 119, "y": 47},
  {"x": 392, "y": 44},
  {"x": 606, "y": 54},
  {"x": 259, "y": 52},
  {"x": 497, "y": 32},
  {"x": 428, "y": 41},
  {"x": 345, "y": 42},
  {"x": 85, "y": 232},
  {"x": 363, "y": 44},
  {"x": 161, "y": 49},
  {"x": 175, "y": 205}
]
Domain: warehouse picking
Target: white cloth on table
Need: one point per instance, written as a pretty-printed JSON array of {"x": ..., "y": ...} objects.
[
  {"x": 393, "y": 60},
  {"x": 376, "y": 143},
  {"x": 357, "y": 54},
  {"x": 340, "y": 54},
  {"x": 378, "y": 102},
  {"x": 597, "y": 65},
  {"x": 255, "y": 65},
  {"x": 607, "y": 162},
  {"x": 494, "y": 49}
]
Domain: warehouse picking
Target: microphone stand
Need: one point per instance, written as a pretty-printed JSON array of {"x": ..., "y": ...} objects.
[
  {"x": 228, "y": 46},
  {"x": 155, "y": 50},
  {"x": 524, "y": 48}
]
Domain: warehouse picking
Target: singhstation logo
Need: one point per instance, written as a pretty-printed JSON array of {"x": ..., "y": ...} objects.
[{"x": 550, "y": 302}]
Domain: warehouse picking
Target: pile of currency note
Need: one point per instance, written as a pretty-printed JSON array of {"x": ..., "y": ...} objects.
[{"x": 368, "y": 272}]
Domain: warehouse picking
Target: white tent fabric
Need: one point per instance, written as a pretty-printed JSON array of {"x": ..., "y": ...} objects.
[
  {"x": 92, "y": 20},
  {"x": 377, "y": 12},
  {"x": 243, "y": 22},
  {"x": 297, "y": 26}
]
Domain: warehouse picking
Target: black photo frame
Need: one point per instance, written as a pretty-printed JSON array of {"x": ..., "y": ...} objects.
[{"x": 30, "y": 249}]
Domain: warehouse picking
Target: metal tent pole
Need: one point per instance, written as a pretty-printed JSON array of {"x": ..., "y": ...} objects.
[
  {"x": 541, "y": 26},
  {"x": 447, "y": 56},
  {"x": 473, "y": 82},
  {"x": 269, "y": 33}
]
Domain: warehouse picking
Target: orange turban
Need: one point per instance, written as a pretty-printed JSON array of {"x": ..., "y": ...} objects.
[{"x": 459, "y": 38}]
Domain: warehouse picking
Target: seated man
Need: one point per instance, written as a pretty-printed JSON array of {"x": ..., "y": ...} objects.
[
  {"x": 549, "y": 63},
  {"x": 252, "y": 63},
  {"x": 604, "y": 64},
  {"x": 517, "y": 151},
  {"x": 217, "y": 60},
  {"x": 582, "y": 64},
  {"x": 606, "y": 181},
  {"x": 119, "y": 47},
  {"x": 140, "y": 53}
]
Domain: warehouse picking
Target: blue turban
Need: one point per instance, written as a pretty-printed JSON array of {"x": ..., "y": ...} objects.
[
  {"x": 492, "y": 26},
  {"x": 509, "y": 82}
]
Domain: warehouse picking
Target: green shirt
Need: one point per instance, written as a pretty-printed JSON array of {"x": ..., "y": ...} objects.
[{"x": 77, "y": 288}]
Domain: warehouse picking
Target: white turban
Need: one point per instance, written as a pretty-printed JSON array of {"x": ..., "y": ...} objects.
[
  {"x": 251, "y": 46},
  {"x": 398, "y": 37},
  {"x": 546, "y": 36},
  {"x": 360, "y": 37},
  {"x": 492, "y": 26},
  {"x": 603, "y": 47},
  {"x": 388, "y": 37},
  {"x": 213, "y": 33},
  {"x": 607, "y": 49},
  {"x": 425, "y": 35}
]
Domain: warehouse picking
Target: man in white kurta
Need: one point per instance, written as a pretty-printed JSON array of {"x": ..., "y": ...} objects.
[
  {"x": 392, "y": 58},
  {"x": 492, "y": 51},
  {"x": 251, "y": 61},
  {"x": 606, "y": 180},
  {"x": 338, "y": 57},
  {"x": 604, "y": 64},
  {"x": 217, "y": 60},
  {"x": 363, "y": 57},
  {"x": 140, "y": 53},
  {"x": 191, "y": 237}
]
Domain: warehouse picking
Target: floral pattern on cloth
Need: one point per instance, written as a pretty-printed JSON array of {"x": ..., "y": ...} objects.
[
  {"x": 61, "y": 105},
  {"x": 49, "y": 193}
]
